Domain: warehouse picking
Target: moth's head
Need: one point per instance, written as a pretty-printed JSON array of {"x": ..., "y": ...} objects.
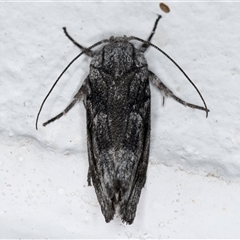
[{"x": 118, "y": 57}]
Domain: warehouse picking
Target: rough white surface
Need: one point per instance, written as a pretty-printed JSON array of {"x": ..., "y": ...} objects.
[{"x": 192, "y": 189}]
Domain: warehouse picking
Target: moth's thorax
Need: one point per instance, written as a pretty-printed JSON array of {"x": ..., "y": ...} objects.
[{"x": 118, "y": 58}]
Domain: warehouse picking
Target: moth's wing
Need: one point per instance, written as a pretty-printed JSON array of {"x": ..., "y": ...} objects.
[
  {"x": 118, "y": 127},
  {"x": 137, "y": 142},
  {"x": 101, "y": 168},
  {"x": 106, "y": 202},
  {"x": 128, "y": 204}
]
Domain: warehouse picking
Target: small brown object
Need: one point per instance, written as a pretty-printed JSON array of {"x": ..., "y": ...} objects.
[{"x": 164, "y": 7}]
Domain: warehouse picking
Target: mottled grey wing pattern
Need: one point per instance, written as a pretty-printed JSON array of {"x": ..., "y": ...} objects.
[{"x": 118, "y": 127}]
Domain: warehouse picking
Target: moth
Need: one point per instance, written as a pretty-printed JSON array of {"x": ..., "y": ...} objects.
[{"x": 116, "y": 95}]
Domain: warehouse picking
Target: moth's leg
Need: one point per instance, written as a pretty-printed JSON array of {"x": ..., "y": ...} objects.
[
  {"x": 78, "y": 97},
  {"x": 145, "y": 46},
  {"x": 90, "y": 53},
  {"x": 168, "y": 93}
]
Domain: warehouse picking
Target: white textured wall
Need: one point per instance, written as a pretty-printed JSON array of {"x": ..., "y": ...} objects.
[{"x": 192, "y": 190}]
